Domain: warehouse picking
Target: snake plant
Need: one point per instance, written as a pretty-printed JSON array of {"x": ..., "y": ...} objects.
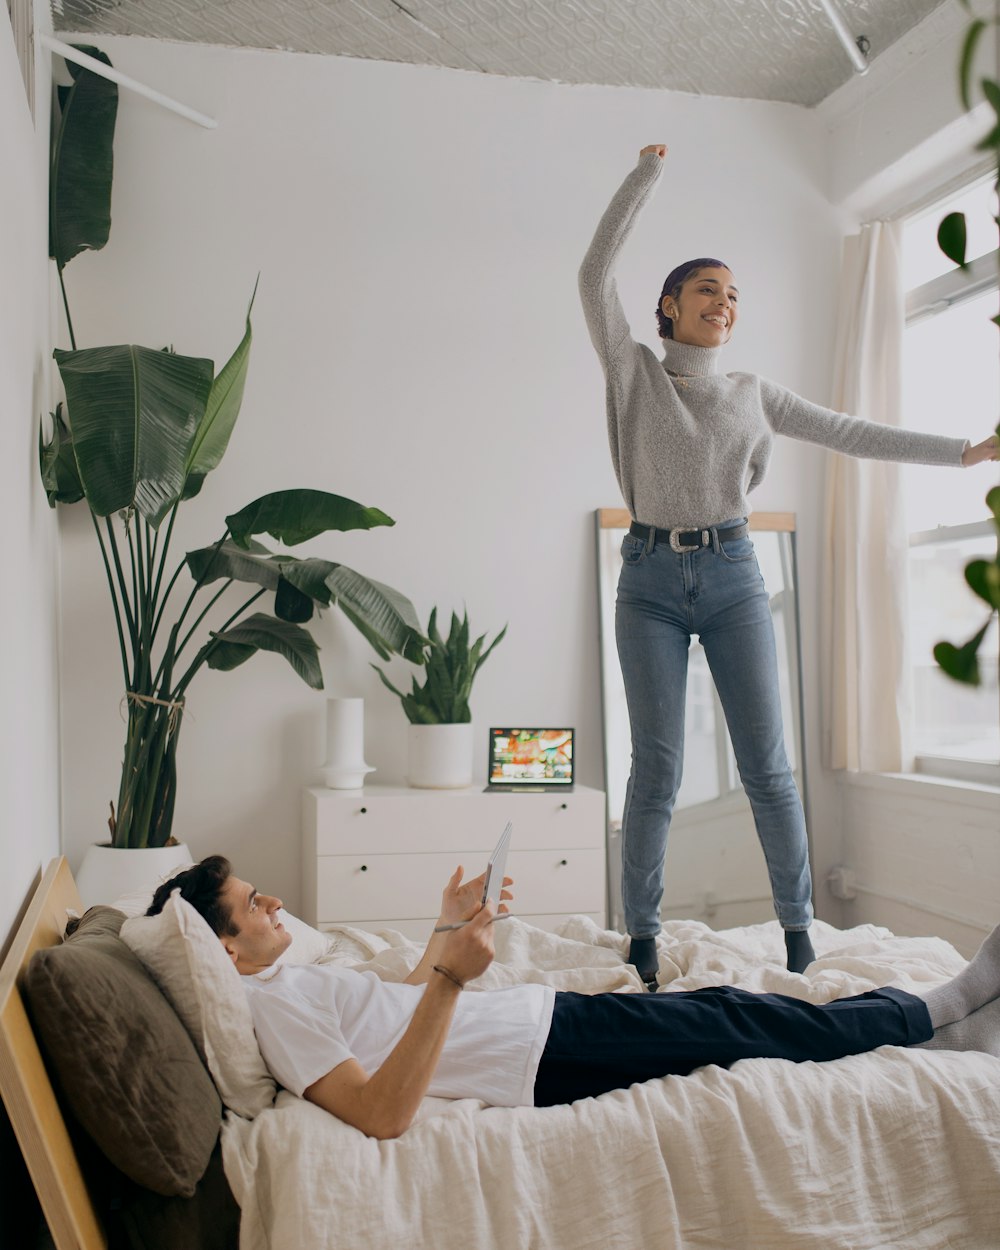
[{"x": 450, "y": 666}]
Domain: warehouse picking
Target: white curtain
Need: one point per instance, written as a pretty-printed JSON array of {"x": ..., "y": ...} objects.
[{"x": 866, "y": 678}]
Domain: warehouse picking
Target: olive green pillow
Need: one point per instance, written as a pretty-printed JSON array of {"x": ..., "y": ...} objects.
[{"x": 122, "y": 1060}]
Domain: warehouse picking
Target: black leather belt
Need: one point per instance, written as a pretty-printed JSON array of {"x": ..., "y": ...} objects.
[{"x": 687, "y": 540}]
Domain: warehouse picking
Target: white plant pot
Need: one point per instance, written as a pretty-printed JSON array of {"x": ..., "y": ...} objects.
[
  {"x": 440, "y": 757},
  {"x": 109, "y": 873}
]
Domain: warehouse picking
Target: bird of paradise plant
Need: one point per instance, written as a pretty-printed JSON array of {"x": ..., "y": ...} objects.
[{"x": 142, "y": 429}]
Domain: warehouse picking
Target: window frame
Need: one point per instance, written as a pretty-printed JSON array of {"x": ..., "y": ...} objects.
[{"x": 930, "y": 299}]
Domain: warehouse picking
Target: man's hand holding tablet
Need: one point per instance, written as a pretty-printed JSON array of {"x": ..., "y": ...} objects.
[{"x": 489, "y": 884}]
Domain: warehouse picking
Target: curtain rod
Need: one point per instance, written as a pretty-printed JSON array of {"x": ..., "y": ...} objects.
[{"x": 70, "y": 53}]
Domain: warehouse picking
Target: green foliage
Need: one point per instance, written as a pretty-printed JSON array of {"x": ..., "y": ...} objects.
[
  {"x": 82, "y": 162},
  {"x": 450, "y": 666},
  {"x": 983, "y": 576},
  {"x": 142, "y": 430}
]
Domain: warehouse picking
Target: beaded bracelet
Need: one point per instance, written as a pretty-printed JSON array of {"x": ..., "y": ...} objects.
[{"x": 447, "y": 972}]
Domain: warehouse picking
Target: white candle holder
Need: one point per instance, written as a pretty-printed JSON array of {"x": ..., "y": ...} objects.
[{"x": 345, "y": 767}]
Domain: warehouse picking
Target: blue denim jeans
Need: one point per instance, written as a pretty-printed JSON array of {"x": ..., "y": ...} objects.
[{"x": 717, "y": 592}]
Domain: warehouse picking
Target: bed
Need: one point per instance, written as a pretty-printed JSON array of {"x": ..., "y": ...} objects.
[{"x": 899, "y": 1148}]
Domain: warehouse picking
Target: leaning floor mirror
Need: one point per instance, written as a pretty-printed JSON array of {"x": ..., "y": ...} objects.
[{"x": 715, "y": 869}]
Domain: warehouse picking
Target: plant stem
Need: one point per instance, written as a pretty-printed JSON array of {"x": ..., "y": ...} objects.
[
  {"x": 69, "y": 319},
  {"x": 141, "y": 603},
  {"x": 201, "y": 580},
  {"x": 159, "y": 574},
  {"x": 205, "y": 651},
  {"x": 125, "y": 601},
  {"x": 126, "y": 606},
  {"x": 114, "y": 599},
  {"x": 211, "y": 603}
]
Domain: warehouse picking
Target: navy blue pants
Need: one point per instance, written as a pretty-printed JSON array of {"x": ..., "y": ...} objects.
[{"x": 599, "y": 1042}]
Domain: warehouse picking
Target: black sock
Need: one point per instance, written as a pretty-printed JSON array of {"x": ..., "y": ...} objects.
[
  {"x": 799, "y": 948},
  {"x": 642, "y": 954}
]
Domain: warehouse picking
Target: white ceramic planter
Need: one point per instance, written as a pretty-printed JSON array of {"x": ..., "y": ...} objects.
[
  {"x": 110, "y": 872},
  {"x": 440, "y": 756}
]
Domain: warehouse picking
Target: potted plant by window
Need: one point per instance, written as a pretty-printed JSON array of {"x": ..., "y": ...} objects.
[
  {"x": 983, "y": 576},
  {"x": 440, "y": 744},
  {"x": 141, "y": 431}
]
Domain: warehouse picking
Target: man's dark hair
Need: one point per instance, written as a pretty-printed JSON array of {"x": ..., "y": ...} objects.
[{"x": 201, "y": 886}]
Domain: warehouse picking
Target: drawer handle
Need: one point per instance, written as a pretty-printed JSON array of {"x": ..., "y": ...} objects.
[
  {"x": 563, "y": 863},
  {"x": 364, "y": 868},
  {"x": 563, "y": 806},
  {"x": 364, "y": 810}
]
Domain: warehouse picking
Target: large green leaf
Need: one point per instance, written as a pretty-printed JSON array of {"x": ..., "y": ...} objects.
[
  {"x": 386, "y": 618},
  {"x": 221, "y": 411},
  {"x": 134, "y": 413},
  {"x": 310, "y": 576},
  {"x": 256, "y": 564},
  {"x": 962, "y": 662},
  {"x": 82, "y": 163},
  {"x": 297, "y": 584},
  {"x": 293, "y": 516},
  {"x": 57, "y": 463},
  {"x": 259, "y": 632},
  {"x": 951, "y": 237},
  {"x": 983, "y": 577},
  {"x": 290, "y": 604}
]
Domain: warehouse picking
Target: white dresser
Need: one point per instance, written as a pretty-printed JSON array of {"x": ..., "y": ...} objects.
[{"x": 380, "y": 857}]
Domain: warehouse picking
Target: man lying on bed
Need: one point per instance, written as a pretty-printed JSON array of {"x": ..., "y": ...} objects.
[{"x": 368, "y": 1051}]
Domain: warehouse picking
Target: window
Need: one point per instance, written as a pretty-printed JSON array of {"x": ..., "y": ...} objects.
[{"x": 951, "y": 385}]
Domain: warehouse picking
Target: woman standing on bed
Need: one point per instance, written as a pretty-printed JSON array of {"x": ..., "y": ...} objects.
[{"x": 689, "y": 443}]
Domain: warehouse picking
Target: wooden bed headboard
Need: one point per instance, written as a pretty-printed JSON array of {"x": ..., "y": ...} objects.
[{"x": 24, "y": 1082}]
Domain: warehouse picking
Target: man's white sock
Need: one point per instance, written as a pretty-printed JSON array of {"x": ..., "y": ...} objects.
[
  {"x": 978, "y": 1031},
  {"x": 974, "y": 987}
]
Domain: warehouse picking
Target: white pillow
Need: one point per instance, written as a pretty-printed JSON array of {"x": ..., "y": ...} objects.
[
  {"x": 188, "y": 963},
  {"x": 307, "y": 945}
]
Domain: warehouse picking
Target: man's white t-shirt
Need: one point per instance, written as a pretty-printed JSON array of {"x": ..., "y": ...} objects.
[{"x": 309, "y": 1018}]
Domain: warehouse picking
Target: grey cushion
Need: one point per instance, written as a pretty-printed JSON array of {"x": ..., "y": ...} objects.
[{"x": 122, "y": 1060}]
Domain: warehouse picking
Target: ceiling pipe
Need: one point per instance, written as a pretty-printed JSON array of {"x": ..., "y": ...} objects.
[
  {"x": 69, "y": 53},
  {"x": 856, "y": 49}
]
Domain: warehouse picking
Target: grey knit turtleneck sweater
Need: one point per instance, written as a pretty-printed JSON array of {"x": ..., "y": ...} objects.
[{"x": 688, "y": 448}]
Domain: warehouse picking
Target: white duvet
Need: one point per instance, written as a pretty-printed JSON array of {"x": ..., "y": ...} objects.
[{"x": 896, "y": 1149}]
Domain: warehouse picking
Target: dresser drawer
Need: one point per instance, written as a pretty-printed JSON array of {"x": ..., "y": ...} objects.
[
  {"x": 353, "y": 888},
  {"x": 405, "y": 822}
]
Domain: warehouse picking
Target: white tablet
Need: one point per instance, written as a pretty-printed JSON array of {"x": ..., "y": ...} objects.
[{"x": 495, "y": 868}]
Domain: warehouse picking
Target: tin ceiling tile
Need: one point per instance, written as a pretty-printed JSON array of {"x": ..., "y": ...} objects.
[{"x": 749, "y": 49}]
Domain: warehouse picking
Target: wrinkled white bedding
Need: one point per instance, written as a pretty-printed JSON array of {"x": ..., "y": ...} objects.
[{"x": 896, "y": 1149}]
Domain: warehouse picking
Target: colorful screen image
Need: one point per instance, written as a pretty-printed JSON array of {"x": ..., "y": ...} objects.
[{"x": 531, "y": 757}]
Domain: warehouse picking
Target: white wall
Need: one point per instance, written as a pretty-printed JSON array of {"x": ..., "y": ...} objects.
[
  {"x": 29, "y": 756},
  {"x": 419, "y": 346}
]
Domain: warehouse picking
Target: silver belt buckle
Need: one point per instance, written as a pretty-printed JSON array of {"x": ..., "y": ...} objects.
[{"x": 678, "y": 546}]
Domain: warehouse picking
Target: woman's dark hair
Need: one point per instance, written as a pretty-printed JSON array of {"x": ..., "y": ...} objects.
[
  {"x": 201, "y": 886},
  {"x": 672, "y": 287}
]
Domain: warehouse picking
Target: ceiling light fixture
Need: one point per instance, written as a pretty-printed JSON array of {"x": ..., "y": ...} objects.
[{"x": 856, "y": 49}]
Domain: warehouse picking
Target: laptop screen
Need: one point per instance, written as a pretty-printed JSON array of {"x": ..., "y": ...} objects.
[{"x": 530, "y": 758}]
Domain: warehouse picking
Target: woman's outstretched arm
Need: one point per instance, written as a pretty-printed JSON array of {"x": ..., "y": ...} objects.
[{"x": 605, "y": 317}]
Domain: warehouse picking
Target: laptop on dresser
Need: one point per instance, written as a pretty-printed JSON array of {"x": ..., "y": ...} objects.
[{"x": 530, "y": 760}]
